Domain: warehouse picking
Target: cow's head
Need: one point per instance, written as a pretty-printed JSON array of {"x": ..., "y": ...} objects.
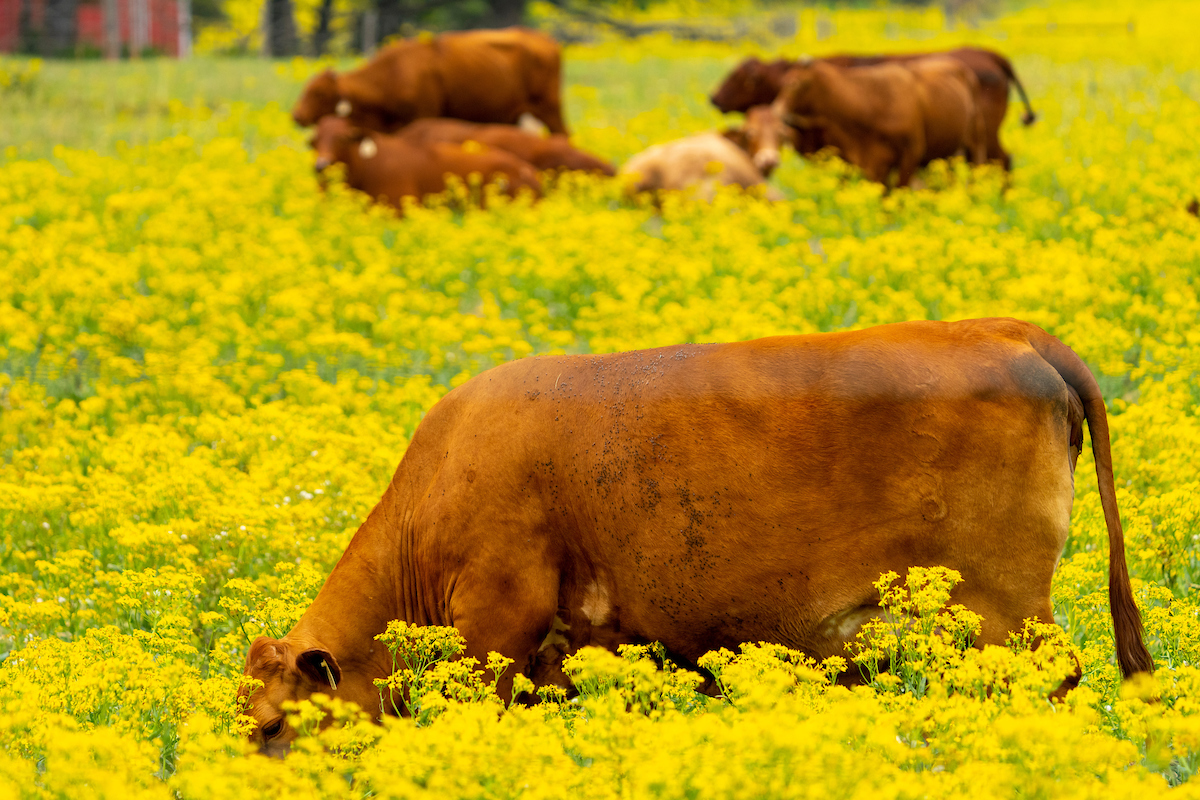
[
  {"x": 320, "y": 97},
  {"x": 288, "y": 673},
  {"x": 748, "y": 85},
  {"x": 336, "y": 140},
  {"x": 762, "y": 137}
]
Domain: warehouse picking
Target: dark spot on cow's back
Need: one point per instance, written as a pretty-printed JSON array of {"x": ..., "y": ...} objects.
[{"x": 648, "y": 495}]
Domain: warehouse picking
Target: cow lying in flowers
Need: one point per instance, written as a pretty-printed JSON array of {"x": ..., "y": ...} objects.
[
  {"x": 695, "y": 164},
  {"x": 391, "y": 168}
]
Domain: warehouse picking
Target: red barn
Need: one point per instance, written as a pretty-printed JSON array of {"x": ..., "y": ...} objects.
[{"x": 142, "y": 24}]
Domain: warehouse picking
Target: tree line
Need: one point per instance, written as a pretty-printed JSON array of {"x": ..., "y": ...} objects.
[{"x": 56, "y": 33}]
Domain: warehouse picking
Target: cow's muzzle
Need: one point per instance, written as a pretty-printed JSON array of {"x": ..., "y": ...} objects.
[
  {"x": 767, "y": 160},
  {"x": 273, "y": 750}
]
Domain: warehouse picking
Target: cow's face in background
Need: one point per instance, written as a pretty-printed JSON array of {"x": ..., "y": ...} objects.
[
  {"x": 336, "y": 139},
  {"x": 320, "y": 97},
  {"x": 746, "y": 86},
  {"x": 287, "y": 674},
  {"x": 765, "y": 136}
]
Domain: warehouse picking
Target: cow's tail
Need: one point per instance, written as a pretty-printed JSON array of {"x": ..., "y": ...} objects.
[
  {"x": 1132, "y": 655},
  {"x": 1006, "y": 67}
]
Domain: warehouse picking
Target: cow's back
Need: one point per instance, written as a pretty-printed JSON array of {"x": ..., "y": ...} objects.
[
  {"x": 496, "y": 75},
  {"x": 881, "y": 96},
  {"x": 705, "y": 495},
  {"x": 950, "y": 104}
]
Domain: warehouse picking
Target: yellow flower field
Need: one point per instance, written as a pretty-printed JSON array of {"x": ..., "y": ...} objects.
[{"x": 209, "y": 370}]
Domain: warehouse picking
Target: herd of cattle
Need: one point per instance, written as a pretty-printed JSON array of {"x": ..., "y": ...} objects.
[
  {"x": 707, "y": 495},
  {"x": 429, "y": 107}
]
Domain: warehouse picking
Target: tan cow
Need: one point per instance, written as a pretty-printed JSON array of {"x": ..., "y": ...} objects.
[
  {"x": 762, "y": 136},
  {"x": 479, "y": 76},
  {"x": 695, "y": 164},
  {"x": 708, "y": 495}
]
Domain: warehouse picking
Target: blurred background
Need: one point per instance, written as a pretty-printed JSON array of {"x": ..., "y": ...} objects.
[{"x": 138, "y": 28}]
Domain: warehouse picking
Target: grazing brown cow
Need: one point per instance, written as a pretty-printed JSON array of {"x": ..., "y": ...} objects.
[
  {"x": 544, "y": 152},
  {"x": 948, "y": 97},
  {"x": 755, "y": 82},
  {"x": 390, "y": 168},
  {"x": 708, "y": 495},
  {"x": 949, "y": 94},
  {"x": 480, "y": 76},
  {"x": 762, "y": 136},
  {"x": 874, "y": 116},
  {"x": 696, "y": 164}
]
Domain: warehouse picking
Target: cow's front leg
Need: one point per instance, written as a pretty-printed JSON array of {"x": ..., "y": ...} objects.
[{"x": 507, "y": 608}]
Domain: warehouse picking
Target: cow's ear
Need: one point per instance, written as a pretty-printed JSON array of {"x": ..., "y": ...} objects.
[
  {"x": 320, "y": 667},
  {"x": 737, "y": 136},
  {"x": 265, "y": 653},
  {"x": 790, "y": 135}
]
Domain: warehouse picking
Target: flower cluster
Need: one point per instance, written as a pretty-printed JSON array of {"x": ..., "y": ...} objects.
[{"x": 19, "y": 75}]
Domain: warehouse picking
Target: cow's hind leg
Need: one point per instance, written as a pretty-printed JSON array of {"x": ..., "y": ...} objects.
[
  {"x": 838, "y": 633},
  {"x": 995, "y": 151},
  {"x": 1001, "y": 621},
  {"x": 909, "y": 160}
]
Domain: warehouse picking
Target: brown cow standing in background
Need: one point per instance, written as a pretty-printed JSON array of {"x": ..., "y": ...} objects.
[
  {"x": 950, "y": 105},
  {"x": 708, "y": 495},
  {"x": 755, "y": 82},
  {"x": 543, "y": 152},
  {"x": 479, "y": 76},
  {"x": 389, "y": 168},
  {"x": 874, "y": 116},
  {"x": 867, "y": 113}
]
